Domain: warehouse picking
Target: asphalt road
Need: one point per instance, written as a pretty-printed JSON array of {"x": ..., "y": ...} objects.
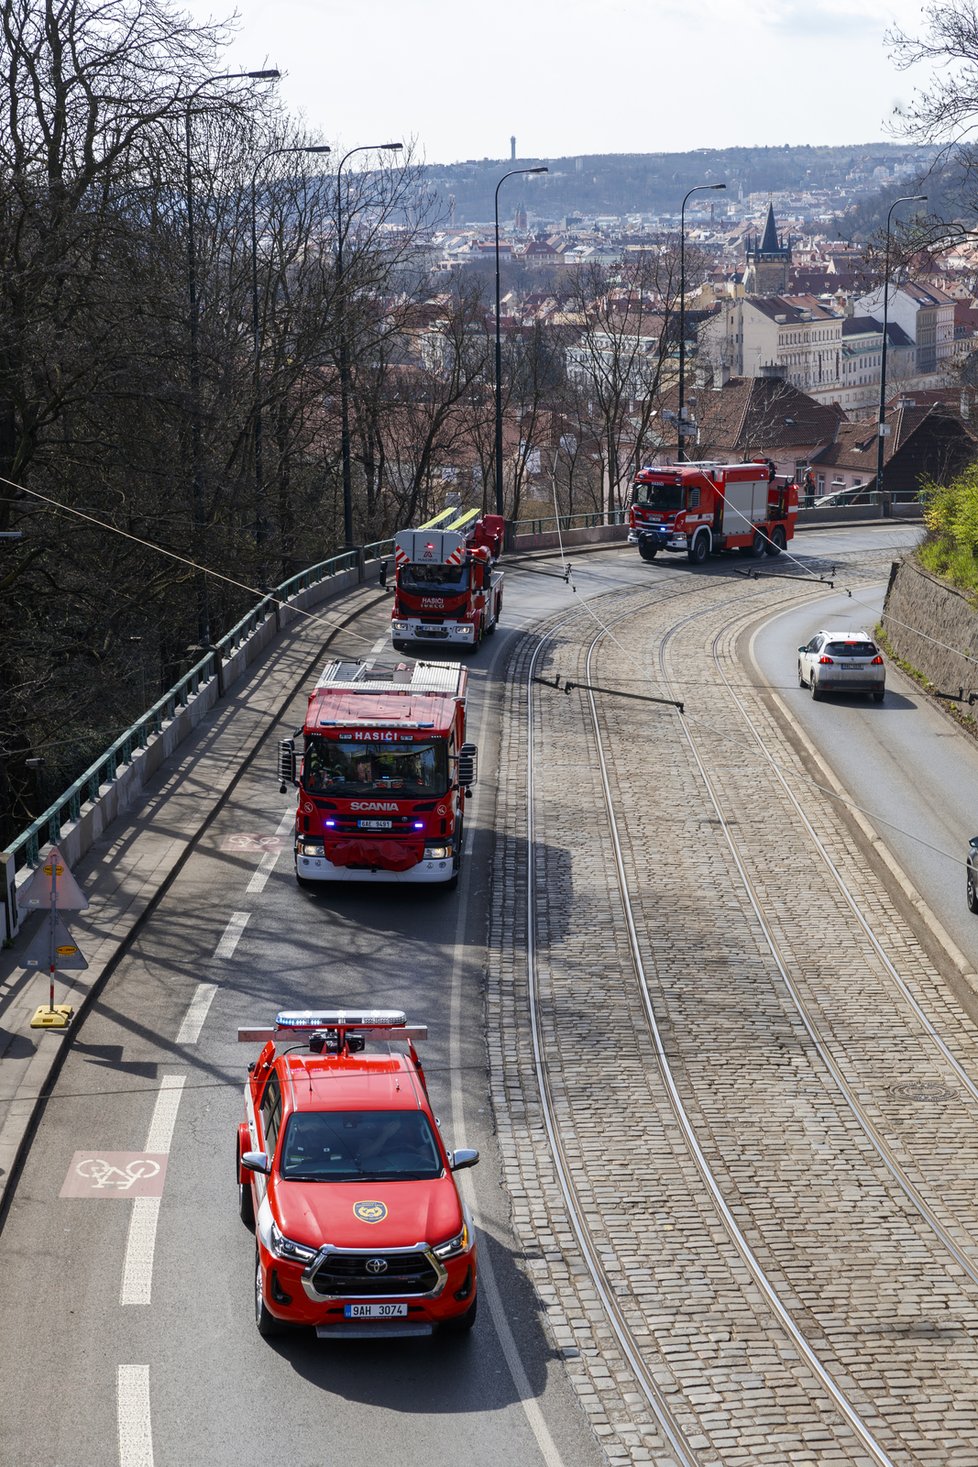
[{"x": 132, "y": 1318}]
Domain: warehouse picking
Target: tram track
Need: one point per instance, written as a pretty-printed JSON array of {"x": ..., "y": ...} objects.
[{"x": 860, "y": 1428}]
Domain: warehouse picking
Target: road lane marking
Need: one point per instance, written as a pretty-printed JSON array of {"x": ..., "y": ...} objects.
[
  {"x": 137, "y": 1269},
  {"x": 132, "y": 1413},
  {"x": 193, "y": 1019},
  {"x": 232, "y": 932},
  {"x": 267, "y": 863}
]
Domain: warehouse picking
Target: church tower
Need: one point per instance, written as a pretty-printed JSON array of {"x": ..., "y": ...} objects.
[{"x": 768, "y": 261}]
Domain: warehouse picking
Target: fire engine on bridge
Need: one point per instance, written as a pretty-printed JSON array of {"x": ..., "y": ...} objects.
[
  {"x": 383, "y": 774},
  {"x": 447, "y": 587}
]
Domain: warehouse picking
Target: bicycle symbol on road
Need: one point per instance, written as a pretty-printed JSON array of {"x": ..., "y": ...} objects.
[{"x": 115, "y": 1174}]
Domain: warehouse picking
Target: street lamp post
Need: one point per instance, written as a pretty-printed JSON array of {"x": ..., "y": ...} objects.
[
  {"x": 680, "y": 419},
  {"x": 498, "y": 456},
  {"x": 881, "y": 423},
  {"x": 256, "y": 331},
  {"x": 344, "y": 360},
  {"x": 196, "y": 454}
]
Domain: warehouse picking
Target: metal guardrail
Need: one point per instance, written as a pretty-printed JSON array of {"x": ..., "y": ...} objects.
[{"x": 25, "y": 848}]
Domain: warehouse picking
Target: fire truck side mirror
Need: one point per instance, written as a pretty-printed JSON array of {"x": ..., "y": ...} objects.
[
  {"x": 286, "y": 764},
  {"x": 468, "y": 765}
]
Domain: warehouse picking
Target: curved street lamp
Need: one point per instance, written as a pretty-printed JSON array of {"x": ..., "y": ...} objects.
[
  {"x": 196, "y": 454},
  {"x": 681, "y": 420},
  {"x": 881, "y": 421},
  {"x": 256, "y": 329},
  {"x": 498, "y": 455},
  {"x": 343, "y": 350}
]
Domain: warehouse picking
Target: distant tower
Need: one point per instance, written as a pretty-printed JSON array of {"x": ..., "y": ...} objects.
[
  {"x": 520, "y": 219},
  {"x": 768, "y": 262},
  {"x": 512, "y": 150}
]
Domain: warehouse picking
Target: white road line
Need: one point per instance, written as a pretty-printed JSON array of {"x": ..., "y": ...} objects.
[
  {"x": 488, "y": 1286},
  {"x": 232, "y": 932},
  {"x": 267, "y": 863},
  {"x": 378, "y": 646},
  {"x": 193, "y": 1019},
  {"x": 135, "y": 1435},
  {"x": 137, "y": 1269}
]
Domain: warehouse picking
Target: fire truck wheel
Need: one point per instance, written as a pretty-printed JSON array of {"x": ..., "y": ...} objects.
[
  {"x": 462, "y": 1323},
  {"x": 699, "y": 549},
  {"x": 246, "y": 1203},
  {"x": 758, "y": 545},
  {"x": 777, "y": 541},
  {"x": 304, "y": 882},
  {"x": 646, "y": 551},
  {"x": 398, "y": 645},
  {"x": 268, "y": 1325}
]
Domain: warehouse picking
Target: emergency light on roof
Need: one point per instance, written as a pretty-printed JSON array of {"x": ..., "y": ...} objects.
[
  {"x": 307, "y": 1021},
  {"x": 336, "y": 1019}
]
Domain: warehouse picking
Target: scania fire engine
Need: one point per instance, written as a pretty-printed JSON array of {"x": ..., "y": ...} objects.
[
  {"x": 383, "y": 774},
  {"x": 360, "y": 1230},
  {"x": 703, "y": 507},
  {"x": 447, "y": 588}
]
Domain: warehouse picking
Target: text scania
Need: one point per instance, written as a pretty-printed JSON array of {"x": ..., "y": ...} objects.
[{"x": 371, "y": 805}]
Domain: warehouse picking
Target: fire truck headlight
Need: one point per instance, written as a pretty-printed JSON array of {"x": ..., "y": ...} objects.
[
  {"x": 437, "y": 853},
  {"x": 453, "y": 1246},
  {"x": 310, "y": 846},
  {"x": 282, "y": 1247},
  {"x": 399, "y": 626}
]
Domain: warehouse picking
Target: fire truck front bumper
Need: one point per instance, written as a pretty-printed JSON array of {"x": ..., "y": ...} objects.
[
  {"x": 459, "y": 633},
  {"x": 663, "y": 537},
  {"x": 437, "y": 864}
]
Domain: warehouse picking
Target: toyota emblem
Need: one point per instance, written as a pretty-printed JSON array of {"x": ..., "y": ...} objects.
[{"x": 376, "y": 1265}]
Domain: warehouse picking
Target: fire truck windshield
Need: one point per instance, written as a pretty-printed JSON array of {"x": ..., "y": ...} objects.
[
  {"x": 351, "y": 767},
  {"x": 427, "y": 578},
  {"x": 658, "y": 496}
]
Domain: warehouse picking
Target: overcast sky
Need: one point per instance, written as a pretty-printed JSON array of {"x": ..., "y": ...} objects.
[{"x": 578, "y": 76}]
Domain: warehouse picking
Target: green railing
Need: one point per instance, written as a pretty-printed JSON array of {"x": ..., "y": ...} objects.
[{"x": 25, "y": 850}]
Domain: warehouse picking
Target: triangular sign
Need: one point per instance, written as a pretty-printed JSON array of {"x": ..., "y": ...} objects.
[
  {"x": 52, "y": 884},
  {"x": 67, "y": 955}
]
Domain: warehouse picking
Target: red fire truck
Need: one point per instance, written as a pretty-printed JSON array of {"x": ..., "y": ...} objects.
[
  {"x": 447, "y": 587},
  {"x": 383, "y": 774},
  {"x": 703, "y": 507}
]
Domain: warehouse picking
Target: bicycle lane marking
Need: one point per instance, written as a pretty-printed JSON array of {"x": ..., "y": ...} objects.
[
  {"x": 137, "y": 1271},
  {"x": 268, "y": 861}
]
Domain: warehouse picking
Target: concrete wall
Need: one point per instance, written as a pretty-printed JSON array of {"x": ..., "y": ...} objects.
[{"x": 934, "y": 628}]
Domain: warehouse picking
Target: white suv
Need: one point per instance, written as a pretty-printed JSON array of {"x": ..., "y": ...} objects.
[{"x": 842, "y": 662}]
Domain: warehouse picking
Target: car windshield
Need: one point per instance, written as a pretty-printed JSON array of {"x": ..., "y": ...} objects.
[
  {"x": 352, "y": 767},
  {"x": 359, "y": 1146},
  {"x": 439, "y": 580},
  {"x": 851, "y": 649},
  {"x": 658, "y": 496}
]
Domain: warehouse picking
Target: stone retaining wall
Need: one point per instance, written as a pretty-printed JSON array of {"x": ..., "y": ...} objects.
[{"x": 934, "y": 628}]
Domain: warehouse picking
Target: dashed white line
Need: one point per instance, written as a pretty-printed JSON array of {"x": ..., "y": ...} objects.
[
  {"x": 193, "y": 1019},
  {"x": 232, "y": 933},
  {"x": 137, "y": 1269},
  {"x": 267, "y": 863},
  {"x": 135, "y": 1434}
]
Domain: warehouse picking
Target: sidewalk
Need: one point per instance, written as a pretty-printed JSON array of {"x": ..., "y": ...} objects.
[{"x": 132, "y": 865}]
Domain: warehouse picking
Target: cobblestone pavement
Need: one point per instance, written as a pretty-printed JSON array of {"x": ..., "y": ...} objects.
[{"x": 817, "y": 1300}]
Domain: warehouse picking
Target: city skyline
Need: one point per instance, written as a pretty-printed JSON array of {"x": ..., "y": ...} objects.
[{"x": 562, "y": 84}]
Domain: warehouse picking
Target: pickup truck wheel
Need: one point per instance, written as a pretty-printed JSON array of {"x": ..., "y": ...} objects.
[
  {"x": 268, "y": 1325},
  {"x": 462, "y": 1323},
  {"x": 647, "y": 551},
  {"x": 972, "y": 892},
  {"x": 699, "y": 549}
]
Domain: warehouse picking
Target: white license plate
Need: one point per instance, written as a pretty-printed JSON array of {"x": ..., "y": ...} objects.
[
  {"x": 373, "y": 825},
  {"x": 375, "y": 1311}
]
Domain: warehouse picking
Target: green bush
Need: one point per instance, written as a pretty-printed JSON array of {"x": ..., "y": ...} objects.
[{"x": 951, "y": 518}]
